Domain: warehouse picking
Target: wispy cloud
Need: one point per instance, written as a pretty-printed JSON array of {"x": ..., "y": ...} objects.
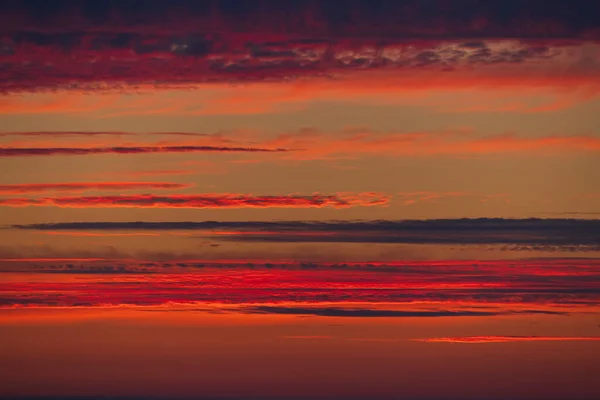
[
  {"x": 424, "y": 289},
  {"x": 375, "y": 313},
  {"x": 86, "y": 186},
  {"x": 209, "y": 200},
  {"x": 316, "y": 144},
  {"x": 429, "y": 196},
  {"x": 66, "y": 133},
  {"x": 505, "y": 339},
  {"x": 81, "y": 151},
  {"x": 542, "y": 234}
]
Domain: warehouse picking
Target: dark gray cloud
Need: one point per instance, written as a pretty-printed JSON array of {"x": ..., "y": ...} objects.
[
  {"x": 539, "y": 234},
  {"x": 120, "y": 21},
  {"x": 84, "y": 151},
  {"x": 369, "y": 312},
  {"x": 115, "y": 43}
]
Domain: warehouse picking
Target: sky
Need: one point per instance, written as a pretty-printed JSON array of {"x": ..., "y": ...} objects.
[{"x": 342, "y": 199}]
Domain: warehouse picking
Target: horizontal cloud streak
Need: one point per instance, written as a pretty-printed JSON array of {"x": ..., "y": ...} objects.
[
  {"x": 505, "y": 339},
  {"x": 310, "y": 144},
  {"x": 82, "y": 151},
  {"x": 493, "y": 287},
  {"x": 469, "y": 288},
  {"x": 361, "y": 18},
  {"x": 65, "y": 133},
  {"x": 317, "y": 144},
  {"x": 95, "y": 133},
  {"x": 86, "y": 186},
  {"x": 363, "y": 313},
  {"x": 541, "y": 232},
  {"x": 208, "y": 200}
]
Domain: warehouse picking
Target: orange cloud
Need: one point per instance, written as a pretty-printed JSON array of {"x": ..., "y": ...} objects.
[
  {"x": 87, "y": 186},
  {"x": 100, "y": 234},
  {"x": 315, "y": 144},
  {"x": 480, "y": 90},
  {"x": 426, "y": 196}
]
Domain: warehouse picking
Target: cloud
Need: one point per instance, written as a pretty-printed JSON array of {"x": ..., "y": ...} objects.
[
  {"x": 96, "y": 133},
  {"x": 369, "y": 313},
  {"x": 114, "y": 45},
  {"x": 161, "y": 172},
  {"x": 226, "y": 200},
  {"x": 429, "y": 196},
  {"x": 525, "y": 232},
  {"x": 308, "y": 337},
  {"x": 86, "y": 186},
  {"x": 505, "y": 339},
  {"x": 362, "y": 18},
  {"x": 312, "y": 144},
  {"x": 316, "y": 144},
  {"x": 66, "y": 133},
  {"x": 99, "y": 234},
  {"x": 81, "y": 151},
  {"x": 424, "y": 289}
]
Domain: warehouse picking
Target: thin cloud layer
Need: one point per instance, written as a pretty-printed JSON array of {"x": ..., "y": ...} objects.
[
  {"x": 363, "y": 313},
  {"x": 83, "y": 151},
  {"x": 506, "y": 339},
  {"x": 316, "y": 144},
  {"x": 93, "y": 133},
  {"x": 209, "y": 200},
  {"x": 311, "y": 144},
  {"x": 524, "y": 232},
  {"x": 425, "y": 289},
  {"x": 86, "y": 186}
]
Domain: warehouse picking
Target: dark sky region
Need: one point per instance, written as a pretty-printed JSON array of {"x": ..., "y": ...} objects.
[{"x": 300, "y": 199}]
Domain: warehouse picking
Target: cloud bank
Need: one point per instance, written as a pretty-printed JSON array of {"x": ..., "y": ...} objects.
[
  {"x": 69, "y": 45},
  {"x": 524, "y": 232}
]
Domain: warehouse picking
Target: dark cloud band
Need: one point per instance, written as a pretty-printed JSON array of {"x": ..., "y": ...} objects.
[
  {"x": 534, "y": 232},
  {"x": 83, "y": 151},
  {"x": 135, "y": 43}
]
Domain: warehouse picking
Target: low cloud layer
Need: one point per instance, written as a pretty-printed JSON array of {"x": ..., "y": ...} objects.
[
  {"x": 429, "y": 289},
  {"x": 524, "y": 232},
  {"x": 370, "y": 313}
]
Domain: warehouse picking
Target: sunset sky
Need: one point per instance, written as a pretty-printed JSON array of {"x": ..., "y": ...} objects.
[{"x": 297, "y": 199}]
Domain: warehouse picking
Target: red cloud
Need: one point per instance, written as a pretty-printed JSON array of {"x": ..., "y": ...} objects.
[
  {"x": 115, "y": 45},
  {"x": 490, "y": 288},
  {"x": 205, "y": 201}
]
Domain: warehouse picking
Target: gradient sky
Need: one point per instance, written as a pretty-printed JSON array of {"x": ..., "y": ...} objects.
[{"x": 344, "y": 199}]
